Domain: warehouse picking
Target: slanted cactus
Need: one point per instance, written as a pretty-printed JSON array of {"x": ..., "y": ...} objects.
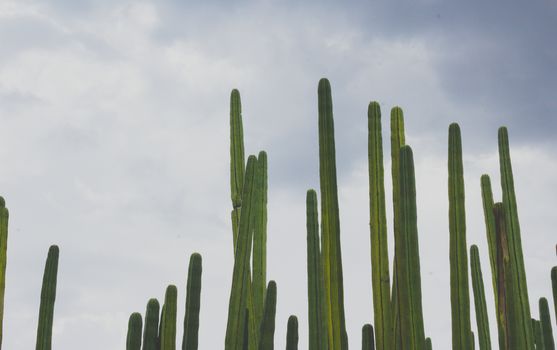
[
  {"x": 545, "y": 324},
  {"x": 193, "y": 297},
  {"x": 482, "y": 320},
  {"x": 292, "y": 333},
  {"x": 4, "y": 215},
  {"x": 48, "y": 297},
  {"x": 150, "y": 332},
  {"x": 168, "y": 319},
  {"x": 330, "y": 223},
  {"x": 133, "y": 339},
  {"x": 460, "y": 298},
  {"x": 381, "y": 284},
  {"x": 267, "y": 330},
  {"x": 368, "y": 342},
  {"x": 237, "y": 162}
]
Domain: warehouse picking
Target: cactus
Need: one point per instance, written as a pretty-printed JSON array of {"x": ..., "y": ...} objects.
[
  {"x": 4, "y": 215},
  {"x": 538, "y": 338},
  {"x": 168, "y": 319},
  {"x": 237, "y": 162},
  {"x": 554, "y": 287},
  {"x": 133, "y": 339},
  {"x": 368, "y": 342},
  {"x": 292, "y": 333},
  {"x": 330, "y": 223},
  {"x": 267, "y": 330},
  {"x": 460, "y": 298},
  {"x": 317, "y": 311},
  {"x": 503, "y": 278},
  {"x": 545, "y": 323},
  {"x": 240, "y": 276},
  {"x": 487, "y": 201},
  {"x": 521, "y": 325},
  {"x": 48, "y": 297},
  {"x": 409, "y": 295},
  {"x": 378, "y": 232},
  {"x": 428, "y": 345},
  {"x": 191, "y": 319},
  {"x": 482, "y": 320},
  {"x": 150, "y": 332}
]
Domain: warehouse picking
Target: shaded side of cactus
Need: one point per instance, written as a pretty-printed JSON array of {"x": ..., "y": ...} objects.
[
  {"x": 168, "y": 319},
  {"x": 237, "y": 162},
  {"x": 330, "y": 223},
  {"x": 317, "y": 312},
  {"x": 246, "y": 341},
  {"x": 482, "y": 320},
  {"x": 267, "y": 330},
  {"x": 521, "y": 326},
  {"x": 151, "y": 327},
  {"x": 428, "y": 345},
  {"x": 409, "y": 295},
  {"x": 368, "y": 341},
  {"x": 193, "y": 298},
  {"x": 159, "y": 336},
  {"x": 460, "y": 297},
  {"x": 133, "y": 339},
  {"x": 538, "y": 338},
  {"x": 259, "y": 270},
  {"x": 4, "y": 215},
  {"x": 397, "y": 141},
  {"x": 489, "y": 218},
  {"x": 545, "y": 324},
  {"x": 554, "y": 287},
  {"x": 503, "y": 278},
  {"x": 381, "y": 283},
  {"x": 241, "y": 272},
  {"x": 48, "y": 297},
  {"x": 292, "y": 333}
]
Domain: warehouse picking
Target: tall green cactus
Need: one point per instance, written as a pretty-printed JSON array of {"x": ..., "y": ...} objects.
[
  {"x": 409, "y": 291},
  {"x": 368, "y": 341},
  {"x": 317, "y": 307},
  {"x": 378, "y": 232},
  {"x": 460, "y": 297},
  {"x": 545, "y": 323},
  {"x": 48, "y": 297},
  {"x": 133, "y": 339},
  {"x": 4, "y": 215},
  {"x": 489, "y": 218},
  {"x": 292, "y": 333},
  {"x": 330, "y": 223},
  {"x": 151, "y": 328},
  {"x": 237, "y": 162},
  {"x": 267, "y": 330},
  {"x": 503, "y": 279},
  {"x": 193, "y": 297},
  {"x": 260, "y": 239},
  {"x": 482, "y": 320},
  {"x": 521, "y": 322},
  {"x": 168, "y": 319},
  {"x": 241, "y": 272},
  {"x": 554, "y": 287}
]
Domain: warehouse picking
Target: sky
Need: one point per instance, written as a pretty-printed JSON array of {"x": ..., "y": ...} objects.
[{"x": 114, "y": 145}]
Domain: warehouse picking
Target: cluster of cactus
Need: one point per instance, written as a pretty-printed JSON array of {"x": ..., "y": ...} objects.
[{"x": 397, "y": 302}]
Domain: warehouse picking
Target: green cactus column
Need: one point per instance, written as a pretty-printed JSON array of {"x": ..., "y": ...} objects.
[
  {"x": 368, "y": 342},
  {"x": 330, "y": 223},
  {"x": 460, "y": 297},
  {"x": 317, "y": 311},
  {"x": 151, "y": 328},
  {"x": 409, "y": 291},
  {"x": 133, "y": 339},
  {"x": 168, "y": 319},
  {"x": 503, "y": 279},
  {"x": 428, "y": 345},
  {"x": 237, "y": 162},
  {"x": 554, "y": 287},
  {"x": 545, "y": 323},
  {"x": 193, "y": 297},
  {"x": 267, "y": 330},
  {"x": 292, "y": 333},
  {"x": 482, "y": 320},
  {"x": 48, "y": 297},
  {"x": 4, "y": 215},
  {"x": 259, "y": 281},
  {"x": 521, "y": 322},
  {"x": 538, "y": 338},
  {"x": 381, "y": 283}
]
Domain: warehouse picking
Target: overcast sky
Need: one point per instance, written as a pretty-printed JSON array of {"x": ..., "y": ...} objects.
[{"x": 114, "y": 145}]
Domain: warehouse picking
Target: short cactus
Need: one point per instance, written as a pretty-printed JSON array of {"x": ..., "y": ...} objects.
[
  {"x": 292, "y": 333},
  {"x": 168, "y": 319},
  {"x": 151, "y": 327},
  {"x": 133, "y": 339},
  {"x": 48, "y": 297},
  {"x": 193, "y": 297}
]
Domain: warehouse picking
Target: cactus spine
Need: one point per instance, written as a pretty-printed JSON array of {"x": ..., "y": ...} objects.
[
  {"x": 545, "y": 323},
  {"x": 168, "y": 319},
  {"x": 193, "y": 297},
  {"x": 482, "y": 320},
  {"x": 317, "y": 311},
  {"x": 460, "y": 298},
  {"x": 267, "y": 330},
  {"x": 48, "y": 297},
  {"x": 150, "y": 332},
  {"x": 4, "y": 215},
  {"x": 330, "y": 224},
  {"x": 521, "y": 324},
  {"x": 368, "y": 342},
  {"x": 133, "y": 339},
  {"x": 292, "y": 333},
  {"x": 378, "y": 231}
]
